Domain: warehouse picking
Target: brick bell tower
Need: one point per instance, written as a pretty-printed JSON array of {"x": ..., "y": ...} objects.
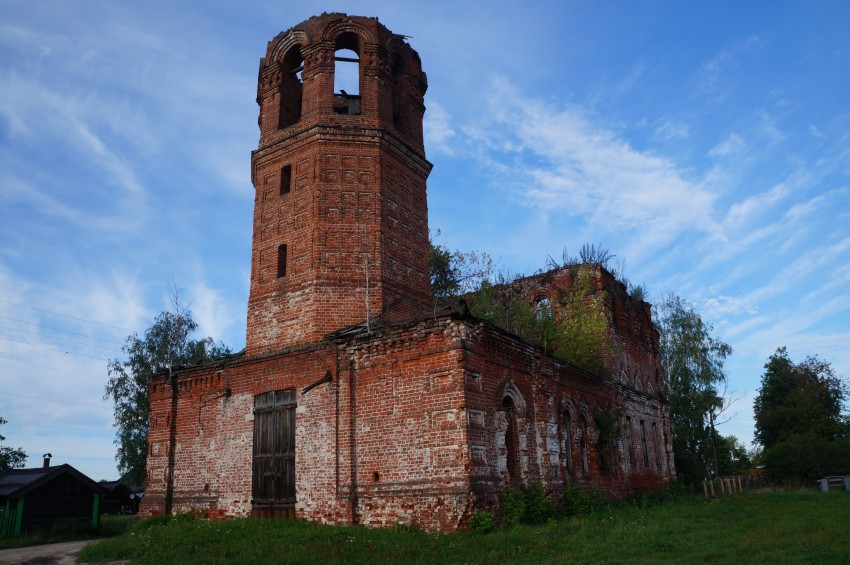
[{"x": 340, "y": 214}]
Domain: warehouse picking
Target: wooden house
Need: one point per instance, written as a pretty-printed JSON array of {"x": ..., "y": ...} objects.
[{"x": 36, "y": 499}]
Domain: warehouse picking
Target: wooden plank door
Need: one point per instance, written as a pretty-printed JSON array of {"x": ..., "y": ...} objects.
[{"x": 274, "y": 452}]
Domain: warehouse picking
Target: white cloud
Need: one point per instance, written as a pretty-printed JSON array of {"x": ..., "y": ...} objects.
[
  {"x": 756, "y": 205},
  {"x": 211, "y": 311},
  {"x": 722, "y": 306},
  {"x": 732, "y": 145},
  {"x": 565, "y": 162},
  {"x": 669, "y": 131},
  {"x": 439, "y": 132}
]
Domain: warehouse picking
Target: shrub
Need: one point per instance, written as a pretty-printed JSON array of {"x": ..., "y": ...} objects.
[
  {"x": 481, "y": 522},
  {"x": 537, "y": 506},
  {"x": 513, "y": 507},
  {"x": 579, "y": 502}
]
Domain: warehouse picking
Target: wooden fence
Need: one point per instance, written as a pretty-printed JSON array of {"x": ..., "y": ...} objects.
[{"x": 723, "y": 486}]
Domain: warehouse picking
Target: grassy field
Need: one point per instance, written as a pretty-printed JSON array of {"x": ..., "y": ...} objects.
[{"x": 762, "y": 527}]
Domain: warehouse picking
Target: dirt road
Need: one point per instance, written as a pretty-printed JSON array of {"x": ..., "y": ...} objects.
[{"x": 50, "y": 554}]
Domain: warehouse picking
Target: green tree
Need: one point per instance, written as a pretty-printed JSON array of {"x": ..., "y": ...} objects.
[
  {"x": 456, "y": 272},
  {"x": 733, "y": 457},
  {"x": 799, "y": 420},
  {"x": 165, "y": 346},
  {"x": 693, "y": 370},
  {"x": 798, "y": 399},
  {"x": 10, "y": 458}
]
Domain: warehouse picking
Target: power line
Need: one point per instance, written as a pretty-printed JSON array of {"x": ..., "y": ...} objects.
[
  {"x": 54, "y": 349},
  {"x": 61, "y": 339},
  {"x": 67, "y": 316},
  {"x": 54, "y": 400},
  {"x": 61, "y": 330}
]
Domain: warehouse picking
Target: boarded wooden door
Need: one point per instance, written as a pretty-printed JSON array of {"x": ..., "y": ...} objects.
[{"x": 274, "y": 453}]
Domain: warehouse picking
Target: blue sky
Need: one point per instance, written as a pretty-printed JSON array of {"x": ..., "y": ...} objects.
[{"x": 706, "y": 144}]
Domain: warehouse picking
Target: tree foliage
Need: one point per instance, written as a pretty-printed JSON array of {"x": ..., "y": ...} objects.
[
  {"x": 166, "y": 345},
  {"x": 693, "y": 363},
  {"x": 733, "y": 456},
  {"x": 799, "y": 420},
  {"x": 10, "y": 458},
  {"x": 457, "y": 272}
]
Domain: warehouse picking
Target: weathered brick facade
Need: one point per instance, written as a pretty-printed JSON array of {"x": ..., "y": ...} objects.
[{"x": 421, "y": 415}]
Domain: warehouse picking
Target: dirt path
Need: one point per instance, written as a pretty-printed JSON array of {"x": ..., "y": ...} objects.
[{"x": 50, "y": 554}]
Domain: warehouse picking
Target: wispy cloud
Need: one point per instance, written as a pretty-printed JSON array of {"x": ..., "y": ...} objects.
[
  {"x": 732, "y": 145},
  {"x": 708, "y": 78},
  {"x": 568, "y": 164},
  {"x": 439, "y": 131},
  {"x": 670, "y": 131}
]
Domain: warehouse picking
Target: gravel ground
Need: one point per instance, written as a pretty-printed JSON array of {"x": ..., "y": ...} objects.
[{"x": 50, "y": 554}]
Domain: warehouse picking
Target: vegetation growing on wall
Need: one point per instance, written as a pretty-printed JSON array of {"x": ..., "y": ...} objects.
[{"x": 574, "y": 326}]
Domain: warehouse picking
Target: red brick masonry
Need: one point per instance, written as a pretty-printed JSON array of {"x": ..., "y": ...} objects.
[{"x": 427, "y": 413}]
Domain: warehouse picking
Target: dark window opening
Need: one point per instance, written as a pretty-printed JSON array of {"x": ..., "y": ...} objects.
[
  {"x": 347, "y": 75},
  {"x": 568, "y": 442},
  {"x": 657, "y": 447},
  {"x": 644, "y": 444},
  {"x": 273, "y": 482},
  {"x": 285, "y": 179},
  {"x": 512, "y": 441},
  {"x": 606, "y": 458},
  {"x": 291, "y": 88},
  {"x": 583, "y": 445},
  {"x": 398, "y": 78},
  {"x": 281, "y": 261}
]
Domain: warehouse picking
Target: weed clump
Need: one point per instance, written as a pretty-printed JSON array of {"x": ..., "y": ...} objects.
[
  {"x": 580, "y": 502},
  {"x": 482, "y": 522}
]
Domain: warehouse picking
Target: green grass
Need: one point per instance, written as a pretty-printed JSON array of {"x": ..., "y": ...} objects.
[
  {"x": 764, "y": 527},
  {"x": 70, "y": 531}
]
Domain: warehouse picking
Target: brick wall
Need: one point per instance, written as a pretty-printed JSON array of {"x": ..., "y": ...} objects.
[
  {"x": 423, "y": 420},
  {"x": 353, "y": 208},
  {"x": 411, "y": 429}
]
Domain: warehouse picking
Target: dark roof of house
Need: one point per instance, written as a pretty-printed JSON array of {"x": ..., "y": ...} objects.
[{"x": 18, "y": 482}]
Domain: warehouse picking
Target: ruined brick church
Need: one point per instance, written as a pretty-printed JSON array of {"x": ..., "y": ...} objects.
[{"x": 358, "y": 399}]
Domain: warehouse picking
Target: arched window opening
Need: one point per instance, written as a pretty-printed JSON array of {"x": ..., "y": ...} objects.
[
  {"x": 656, "y": 447},
  {"x": 291, "y": 88},
  {"x": 542, "y": 309},
  {"x": 583, "y": 446},
  {"x": 398, "y": 93},
  {"x": 568, "y": 442},
  {"x": 512, "y": 440},
  {"x": 347, "y": 75},
  {"x": 643, "y": 444}
]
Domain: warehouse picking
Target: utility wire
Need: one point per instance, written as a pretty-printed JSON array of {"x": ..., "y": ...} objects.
[
  {"x": 62, "y": 339},
  {"x": 61, "y": 330},
  {"x": 54, "y": 349},
  {"x": 67, "y": 316},
  {"x": 55, "y": 400}
]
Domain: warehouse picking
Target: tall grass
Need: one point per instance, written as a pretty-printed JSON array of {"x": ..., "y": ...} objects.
[{"x": 768, "y": 527}]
